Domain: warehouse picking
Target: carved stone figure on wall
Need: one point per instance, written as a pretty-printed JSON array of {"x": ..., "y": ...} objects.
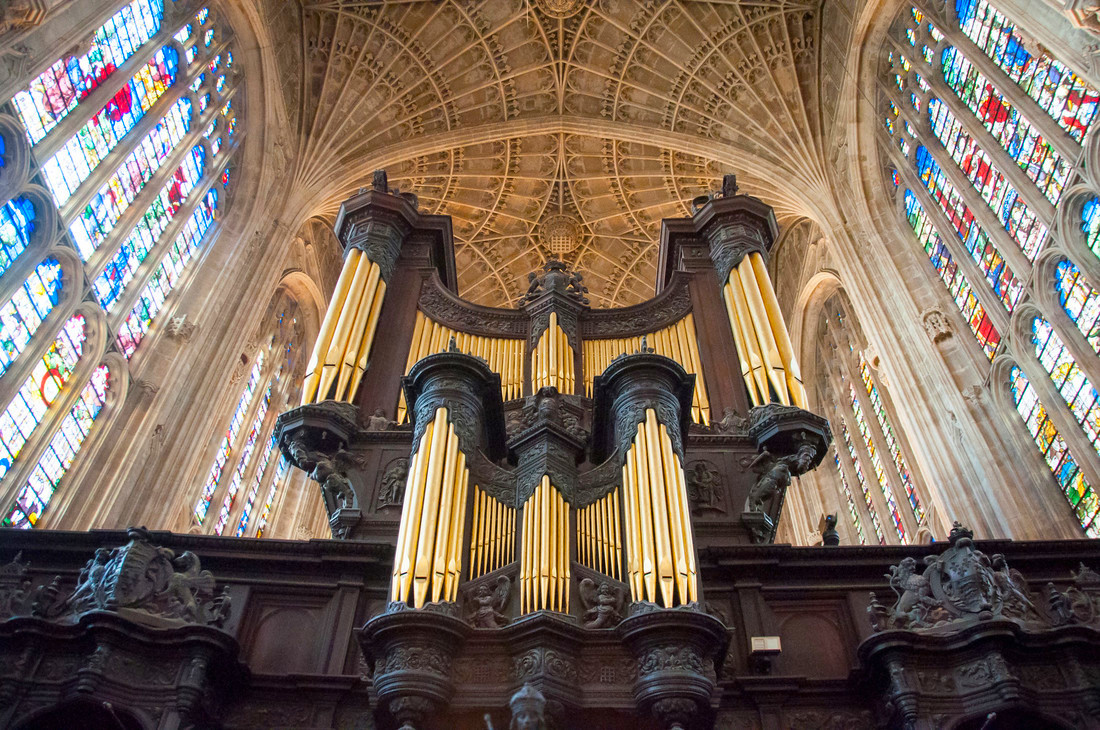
[
  {"x": 488, "y": 603},
  {"x": 378, "y": 421},
  {"x": 731, "y": 422},
  {"x": 603, "y": 604},
  {"x": 528, "y": 707},
  {"x": 392, "y": 491},
  {"x": 704, "y": 484}
]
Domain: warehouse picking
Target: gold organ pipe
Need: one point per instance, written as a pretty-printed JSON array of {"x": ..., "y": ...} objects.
[
  {"x": 633, "y": 551},
  {"x": 408, "y": 530},
  {"x": 368, "y": 341},
  {"x": 676, "y": 524},
  {"x": 768, "y": 348},
  {"x": 544, "y": 541},
  {"x": 652, "y": 456},
  {"x": 618, "y": 538},
  {"x": 550, "y": 548},
  {"x": 697, "y": 365},
  {"x": 525, "y": 559},
  {"x": 328, "y": 325},
  {"x": 451, "y": 477},
  {"x": 453, "y": 537},
  {"x": 475, "y": 534},
  {"x": 348, "y": 313},
  {"x": 685, "y": 516},
  {"x": 779, "y": 331},
  {"x": 758, "y": 364},
  {"x": 349, "y": 358},
  {"x": 645, "y": 516},
  {"x": 436, "y": 457}
]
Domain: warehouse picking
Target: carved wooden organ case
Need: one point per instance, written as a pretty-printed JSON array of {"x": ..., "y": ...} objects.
[{"x": 551, "y": 469}]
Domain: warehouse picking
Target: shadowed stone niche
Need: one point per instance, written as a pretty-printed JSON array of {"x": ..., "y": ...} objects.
[{"x": 137, "y": 636}]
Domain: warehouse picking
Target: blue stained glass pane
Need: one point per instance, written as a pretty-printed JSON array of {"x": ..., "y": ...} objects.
[
  {"x": 24, "y": 312},
  {"x": 58, "y": 89},
  {"x": 16, "y": 226}
]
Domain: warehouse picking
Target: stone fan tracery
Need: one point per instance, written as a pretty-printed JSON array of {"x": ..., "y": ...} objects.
[{"x": 505, "y": 104}]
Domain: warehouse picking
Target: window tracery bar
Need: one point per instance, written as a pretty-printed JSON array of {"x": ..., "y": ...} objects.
[
  {"x": 59, "y": 89},
  {"x": 17, "y": 224},
  {"x": 891, "y": 440},
  {"x": 1000, "y": 276},
  {"x": 1018, "y": 219},
  {"x": 1057, "y": 90},
  {"x": 39, "y": 391},
  {"x": 849, "y": 499},
  {"x": 112, "y": 199},
  {"x": 83, "y": 152},
  {"x": 120, "y": 270},
  {"x": 222, "y": 457},
  {"x": 1068, "y": 378},
  {"x": 153, "y": 296},
  {"x": 1081, "y": 302},
  {"x": 1090, "y": 224},
  {"x": 1055, "y": 452},
  {"x": 876, "y": 463},
  {"x": 985, "y": 333},
  {"x": 54, "y": 463},
  {"x": 21, "y": 316}
]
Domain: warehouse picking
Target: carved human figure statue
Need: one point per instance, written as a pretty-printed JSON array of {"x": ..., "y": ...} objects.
[{"x": 528, "y": 707}]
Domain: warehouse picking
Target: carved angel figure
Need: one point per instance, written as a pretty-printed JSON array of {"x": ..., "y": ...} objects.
[
  {"x": 602, "y": 603},
  {"x": 1012, "y": 589},
  {"x": 731, "y": 422},
  {"x": 488, "y": 602},
  {"x": 775, "y": 474},
  {"x": 186, "y": 584}
]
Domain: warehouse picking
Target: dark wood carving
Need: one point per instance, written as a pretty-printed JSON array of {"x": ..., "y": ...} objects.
[{"x": 671, "y": 305}]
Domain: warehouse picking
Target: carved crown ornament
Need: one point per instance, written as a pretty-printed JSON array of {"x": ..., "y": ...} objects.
[
  {"x": 963, "y": 586},
  {"x": 140, "y": 580}
]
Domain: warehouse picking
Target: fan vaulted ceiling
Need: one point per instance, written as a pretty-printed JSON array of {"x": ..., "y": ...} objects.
[{"x": 590, "y": 121}]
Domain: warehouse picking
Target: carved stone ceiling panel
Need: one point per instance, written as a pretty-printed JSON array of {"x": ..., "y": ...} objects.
[{"x": 557, "y": 122}]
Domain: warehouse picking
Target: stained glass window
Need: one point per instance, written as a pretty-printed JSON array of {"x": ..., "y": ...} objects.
[
  {"x": 242, "y": 464},
  {"x": 891, "y": 440},
  {"x": 257, "y": 481},
  {"x": 876, "y": 524},
  {"x": 1035, "y": 156},
  {"x": 1090, "y": 223},
  {"x": 115, "y": 196},
  {"x": 1058, "y": 91},
  {"x": 160, "y": 284},
  {"x": 211, "y": 484},
  {"x": 1055, "y": 452},
  {"x": 1000, "y": 277},
  {"x": 16, "y": 227},
  {"x": 1081, "y": 302},
  {"x": 269, "y": 503},
  {"x": 1003, "y": 199},
  {"x": 20, "y": 317},
  {"x": 876, "y": 463},
  {"x": 120, "y": 270},
  {"x": 62, "y": 86},
  {"x": 72, "y": 164},
  {"x": 1068, "y": 378},
  {"x": 984, "y": 331},
  {"x": 58, "y": 457},
  {"x": 39, "y": 391},
  {"x": 852, "y": 511}
]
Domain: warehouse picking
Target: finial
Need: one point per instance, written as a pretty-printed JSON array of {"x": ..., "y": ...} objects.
[
  {"x": 452, "y": 346},
  {"x": 381, "y": 182},
  {"x": 958, "y": 532},
  {"x": 729, "y": 186}
]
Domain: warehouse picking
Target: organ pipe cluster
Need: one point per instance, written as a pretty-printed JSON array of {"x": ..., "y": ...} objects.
[
  {"x": 599, "y": 540},
  {"x": 493, "y": 537},
  {"x": 660, "y": 550},
  {"x": 504, "y": 356},
  {"x": 677, "y": 341},
  {"x": 343, "y": 345},
  {"x": 763, "y": 343},
  {"x": 544, "y": 570},
  {"x": 552, "y": 359},
  {"x": 428, "y": 560}
]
